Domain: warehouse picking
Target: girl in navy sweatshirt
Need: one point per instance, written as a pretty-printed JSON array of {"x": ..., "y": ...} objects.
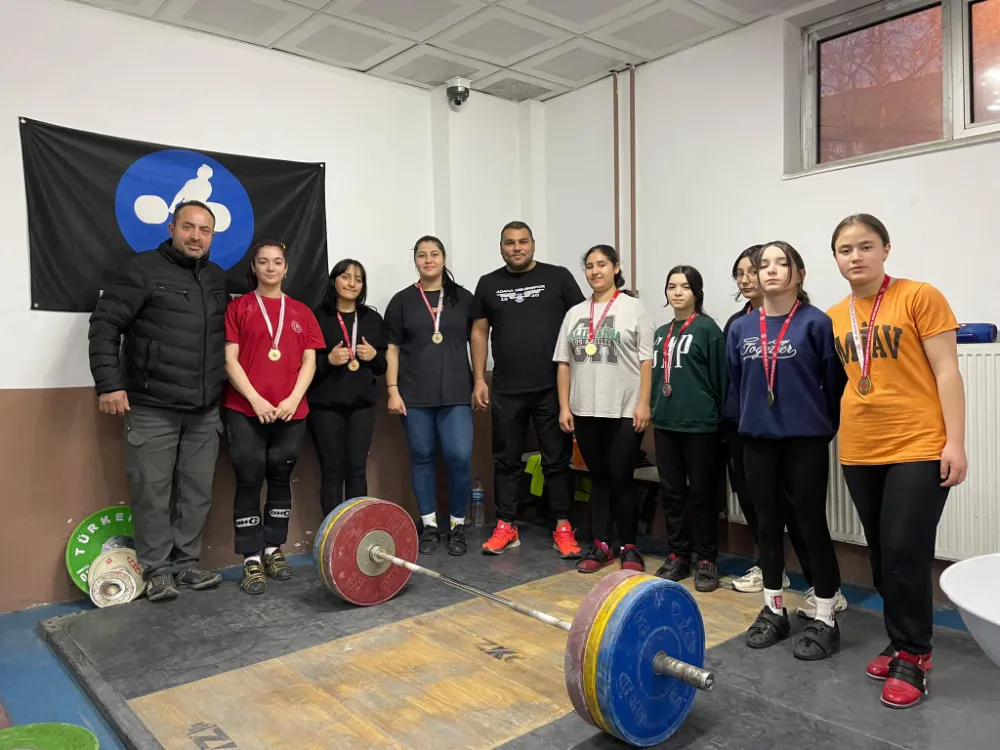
[{"x": 786, "y": 374}]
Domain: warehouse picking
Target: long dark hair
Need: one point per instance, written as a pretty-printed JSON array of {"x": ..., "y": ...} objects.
[
  {"x": 793, "y": 257},
  {"x": 448, "y": 282},
  {"x": 612, "y": 255},
  {"x": 748, "y": 253},
  {"x": 694, "y": 280},
  {"x": 868, "y": 221},
  {"x": 330, "y": 299},
  {"x": 251, "y": 276}
]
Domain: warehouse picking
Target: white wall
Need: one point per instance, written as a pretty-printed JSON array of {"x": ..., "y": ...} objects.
[
  {"x": 710, "y": 158},
  {"x": 90, "y": 69}
]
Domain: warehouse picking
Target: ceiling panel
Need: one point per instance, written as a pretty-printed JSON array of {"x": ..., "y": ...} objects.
[
  {"x": 313, "y": 4},
  {"x": 500, "y": 36},
  {"x": 136, "y": 7},
  {"x": 417, "y": 20},
  {"x": 255, "y": 21},
  {"x": 577, "y": 62},
  {"x": 428, "y": 67},
  {"x": 340, "y": 42},
  {"x": 578, "y": 16},
  {"x": 748, "y": 11},
  {"x": 518, "y": 87},
  {"x": 664, "y": 27}
]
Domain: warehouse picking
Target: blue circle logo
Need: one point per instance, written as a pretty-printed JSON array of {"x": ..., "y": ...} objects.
[{"x": 150, "y": 189}]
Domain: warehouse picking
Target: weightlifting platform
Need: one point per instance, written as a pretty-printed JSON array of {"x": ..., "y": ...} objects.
[{"x": 437, "y": 668}]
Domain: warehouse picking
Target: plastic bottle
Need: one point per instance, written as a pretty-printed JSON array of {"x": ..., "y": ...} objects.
[{"x": 477, "y": 514}]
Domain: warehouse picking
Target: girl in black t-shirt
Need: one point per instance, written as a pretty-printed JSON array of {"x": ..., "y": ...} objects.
[
  {"x": 342, "y": 395},
  {"x": 429, "y": 380}
]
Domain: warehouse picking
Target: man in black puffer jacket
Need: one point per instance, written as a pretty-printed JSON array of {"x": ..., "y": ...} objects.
[{"x": 157, "y": 354}]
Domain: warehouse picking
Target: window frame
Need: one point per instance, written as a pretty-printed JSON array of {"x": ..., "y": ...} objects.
[{"x": 956, "y": 76}]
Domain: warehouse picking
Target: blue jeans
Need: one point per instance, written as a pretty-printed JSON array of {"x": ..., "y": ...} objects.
[{"x": 453, "y": 426}]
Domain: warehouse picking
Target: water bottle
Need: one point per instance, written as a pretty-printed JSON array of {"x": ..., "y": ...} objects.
[{"x": 478, "y": 509}]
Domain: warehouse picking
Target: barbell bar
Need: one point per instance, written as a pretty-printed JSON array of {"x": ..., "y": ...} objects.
[{"x": 636, "y": 647}]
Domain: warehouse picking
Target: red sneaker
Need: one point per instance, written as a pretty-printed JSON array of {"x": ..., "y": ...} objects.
[
  {"x": 504, "y": 538},
  {"x": 906, "y": 682},
  {"x": 564, "y": 541},
  {"x": 878, "y": 668},
  {"x": 596, "y": 558}
]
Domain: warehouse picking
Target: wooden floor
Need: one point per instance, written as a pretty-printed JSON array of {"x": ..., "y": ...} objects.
[{"x": 473, "y": 675}]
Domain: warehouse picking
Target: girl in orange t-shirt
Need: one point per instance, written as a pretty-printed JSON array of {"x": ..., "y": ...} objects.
[{"x": 902, "y": 438}]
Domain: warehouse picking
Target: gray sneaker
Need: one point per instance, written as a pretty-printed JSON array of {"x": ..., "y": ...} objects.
[
  {"x": 161, "y": 586},
  {"x": 197, "y": 578}
]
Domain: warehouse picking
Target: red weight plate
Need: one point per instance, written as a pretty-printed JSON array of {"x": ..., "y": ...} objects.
[
  {"x": 578, "y": 634},
  {"x": 350, "y": 574}
]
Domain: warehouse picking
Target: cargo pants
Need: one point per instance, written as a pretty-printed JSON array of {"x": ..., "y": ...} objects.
[{"x": 170, "y": 462}]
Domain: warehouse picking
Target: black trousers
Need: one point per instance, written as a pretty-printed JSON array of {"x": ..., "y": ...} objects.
[
  {"x": 900, "y": 506},
  {"x": 509, "y": 415},
  {"x": 686, "y": 462},
  {"x": 343, "y": 438},
  {"x": 258, "y": 452},
  {"x": 610, "y": 447},
  {"x": 788, "y": 479},
  {"x": 738, "y": 480}
]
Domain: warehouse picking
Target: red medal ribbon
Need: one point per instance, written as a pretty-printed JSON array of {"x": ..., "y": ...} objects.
[
  {"x": 866, "y": 357},
  {"x": 436, "y": 318},
  {"x": 350, "y": 342},
  {"x": 593, "y": 330},
  {"x": 666, "y": 346},
  {"x": 771, "y": 370}
]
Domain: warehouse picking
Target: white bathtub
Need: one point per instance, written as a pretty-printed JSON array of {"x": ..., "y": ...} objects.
[{"x": 972, "y": 586}]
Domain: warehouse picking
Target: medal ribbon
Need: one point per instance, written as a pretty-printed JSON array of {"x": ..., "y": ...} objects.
[
  {"x": 352, "y": 342},
  {"x": 771, "y": 370},
  {"x": 281, "y": 319},
  {"x": 436, "y": 318},
  {"x": 592, "y": 330},
  {"x": 667, "y": 364},
  {"x": 866, "y": 355}
]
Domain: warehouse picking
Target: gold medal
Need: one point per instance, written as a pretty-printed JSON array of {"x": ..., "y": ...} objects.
[
  {"x": 591, "y": 349},
  {"x": 865, "y": 386},
  {"x": 353, "y": 365},
  {"x": 437, "y": 338},
  {"x": 274, "y": 355}
]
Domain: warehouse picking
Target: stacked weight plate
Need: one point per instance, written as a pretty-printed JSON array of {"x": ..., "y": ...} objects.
[{"x": 101, "y": 558}]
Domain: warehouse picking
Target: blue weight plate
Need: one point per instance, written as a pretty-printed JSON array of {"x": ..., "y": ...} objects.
[{"x": 639, "y": 706}]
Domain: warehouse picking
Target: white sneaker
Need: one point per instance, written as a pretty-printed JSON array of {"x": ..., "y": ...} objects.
[
  {"x": 753, "y": 581},
  {"x": 808, "y": 607}
]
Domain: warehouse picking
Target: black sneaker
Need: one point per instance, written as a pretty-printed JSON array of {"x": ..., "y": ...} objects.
[
  {"x": 253, "y": 580},
  {"x": 768, "y": 628},
  {"x": 630, "y": 559},
  {"x": 197, "y": 578},
  {"x": 596, "y": 558},
  {"x": 674, "y": 568},
  {"x": 277, "y": 567},
  {"x": 817, "y": 641},
  {"x": 429, "y": 539},
  {"x": 161, "y": 586},
  {"x": 706, "y": 576},
  {"x": 456, "y": 540}
]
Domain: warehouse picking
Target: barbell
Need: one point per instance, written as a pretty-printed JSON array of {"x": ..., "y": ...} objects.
[{"x": 636, "y": 648}]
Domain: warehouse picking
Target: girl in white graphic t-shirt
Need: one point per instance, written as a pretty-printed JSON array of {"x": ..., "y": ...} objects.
[{"x": 605, "y": 356}]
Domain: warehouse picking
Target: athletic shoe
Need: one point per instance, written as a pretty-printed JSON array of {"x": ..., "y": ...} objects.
[
  {"x": 564, "y": 540},
  {"x": 456, "y": 540},
  {"x": 196, "y": 578},
  {"x": 596, "y": 558},
  {"x": 504, "y": 538},
  {"x": 161, "y": 586},
  {"x": 706, "y": 576},
  {"x": 430, "y": 537},
  {"x": 253, "y": 580},
  {"x": 906, "y": 683},
  {"x": 878, "y": 668},
  {"x": 808, "y": 607},
  {"x": 674, "y": 568},
  {"x": 275, "y": 566},
  {"x": 631, "y": 559},
  {"x": 753, "y": 581}
]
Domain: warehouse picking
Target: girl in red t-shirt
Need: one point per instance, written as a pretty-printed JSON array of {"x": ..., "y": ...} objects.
[{"x": 270, "y": 360}]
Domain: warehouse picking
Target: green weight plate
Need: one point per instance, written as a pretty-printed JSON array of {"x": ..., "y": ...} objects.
[
  {"x": 48, "y": 737},
  {"x": 86, "y": 542}
]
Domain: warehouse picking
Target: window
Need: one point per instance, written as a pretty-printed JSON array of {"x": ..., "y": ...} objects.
[{"x": 900, "y": 74}]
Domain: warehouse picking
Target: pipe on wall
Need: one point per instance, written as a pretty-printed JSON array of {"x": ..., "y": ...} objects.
[
  {"x": 614, "y": 109},
  {"x": 631, "y": 173}
]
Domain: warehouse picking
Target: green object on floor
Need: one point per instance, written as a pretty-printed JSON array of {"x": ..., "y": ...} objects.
[
  {"x": 534, "y": 467},
  {"x": 48, "y": 737}
]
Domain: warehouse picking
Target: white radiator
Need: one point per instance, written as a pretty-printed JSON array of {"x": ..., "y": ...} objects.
[{"x": 970, "y": 525}]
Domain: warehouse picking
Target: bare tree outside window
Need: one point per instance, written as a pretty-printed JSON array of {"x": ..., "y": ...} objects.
[
  {"x": 881, "y": 87},
  {"x": 984, "y": 30}
]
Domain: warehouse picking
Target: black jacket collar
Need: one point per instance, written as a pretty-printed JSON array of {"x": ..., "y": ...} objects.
[{"x": 172, "y": 254}]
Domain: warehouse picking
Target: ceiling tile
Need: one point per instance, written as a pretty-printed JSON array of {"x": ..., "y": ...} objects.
[
  {"x": 314, "y": 4},
  {"x": 136, "y": 7},
  {"x": 500, "y": 36},
  {"x": 518, "y": 87},
  {"x": 414, "y": 20},
  {"x": 578, "y": 16},
  {"x": 255, "y": 21},
  {"x": 748, "y": 11},
  {"x": 428, "y": 67},
  {"x": 577, "y": 62},
  {"x": 340, "y": 42},
  {"x": 665, "y": 27}
]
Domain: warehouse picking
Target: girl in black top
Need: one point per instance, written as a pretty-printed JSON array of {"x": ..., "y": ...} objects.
[
  {"x": 429, "y": 379},
  {"x": 342, "y": 395}
]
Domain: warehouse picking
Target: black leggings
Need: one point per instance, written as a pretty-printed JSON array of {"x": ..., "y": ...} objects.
[
  {"x": 788, "y": 478},
  {"x": 738, "y": 481},
  {"x": 343, "y": 438},
  {"x": 258, "y": 452},
  {"x": 900, "y": 506},
  {"x": 686, "y": 463},
  {"x": 610, "y": 449}
]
